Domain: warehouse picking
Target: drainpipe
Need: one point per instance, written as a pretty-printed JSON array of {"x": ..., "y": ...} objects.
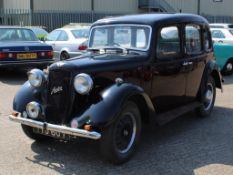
[
  {"x": 198, "y": 7},
  {"x": 31, "y": 10},
  {"x": 92, "y": 9}
]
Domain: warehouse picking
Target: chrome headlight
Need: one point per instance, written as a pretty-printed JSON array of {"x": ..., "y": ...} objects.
[
  {"x": 36, "y": 77},
  {"x": 33, "y": 110},
  {"x": 83, "y": 83}
]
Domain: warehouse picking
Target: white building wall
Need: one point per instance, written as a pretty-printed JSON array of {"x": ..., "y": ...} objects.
[
  {"x": 116, "y": 6},
  {"x": 224, "y": 8},
  {"x": 65, "y": 5},
  {"x": 186, "y": 6},
  {"x": 16, "y": 4}
]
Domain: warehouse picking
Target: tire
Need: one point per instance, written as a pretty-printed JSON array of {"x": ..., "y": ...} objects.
[
  {"x": 120, "y": 139},
  {"x": 207, "y": 98},
  {"x": 28, "y": 131},
  {"x": 64, "y": 56},
  {"x": 228, "y": 68}
]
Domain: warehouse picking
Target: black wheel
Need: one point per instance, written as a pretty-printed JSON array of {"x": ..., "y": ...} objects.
[
  {"x": 120, "y": 139},
  {"x": 228, "y": 68},
  {"x": 28, "y": 131},
  {"x": 207, "y": 98},
  {"x": 64, "y": 56}
]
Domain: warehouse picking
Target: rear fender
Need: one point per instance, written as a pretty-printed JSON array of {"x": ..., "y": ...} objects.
[
  {"x": 112, "y": 99},
  {"x": 212, "y": 69}
]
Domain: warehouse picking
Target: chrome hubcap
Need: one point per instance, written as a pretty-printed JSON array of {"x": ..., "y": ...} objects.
[
  {"x": 209, "y": 96},
  {"x": 125, "y": 133},
  {"x": 229, "y": 66}
]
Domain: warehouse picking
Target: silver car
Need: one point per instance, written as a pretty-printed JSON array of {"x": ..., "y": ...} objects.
[
  {"x": 222, "y": 35},
  {"x": 68, "y": 42}
]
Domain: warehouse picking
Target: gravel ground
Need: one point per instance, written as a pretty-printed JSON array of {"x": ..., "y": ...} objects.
[{"x": 186, "y": 146}]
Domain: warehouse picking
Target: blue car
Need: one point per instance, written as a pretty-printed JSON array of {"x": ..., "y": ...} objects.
[{"x": 19, "y": 47}]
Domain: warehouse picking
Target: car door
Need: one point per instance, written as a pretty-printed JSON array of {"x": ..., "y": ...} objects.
[
  {"x": 169, "y": 70},
  {"x": 197, "y": 51}
]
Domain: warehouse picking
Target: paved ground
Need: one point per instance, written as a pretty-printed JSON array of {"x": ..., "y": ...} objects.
[{"x": 186, "y": 146}]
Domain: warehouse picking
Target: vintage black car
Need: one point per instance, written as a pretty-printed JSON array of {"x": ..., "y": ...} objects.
[{"x": 139, "y": 69}]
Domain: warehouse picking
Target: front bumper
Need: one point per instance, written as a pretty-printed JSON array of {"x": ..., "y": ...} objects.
[{"x": 55, "y": 128}]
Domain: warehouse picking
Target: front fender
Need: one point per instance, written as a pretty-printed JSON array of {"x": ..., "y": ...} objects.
[
  {"x": 26, "y": 94},
  {"x": 112, "y": 99}
]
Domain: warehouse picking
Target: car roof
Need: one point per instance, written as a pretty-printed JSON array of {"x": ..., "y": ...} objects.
[
  {"x": 75, "y": 28},
  {"x": 152, "y": 19},
  {"x": 14, "y": 27},
  {"x": 5, "y": 26},
  {"x": 221, "y": 25}
]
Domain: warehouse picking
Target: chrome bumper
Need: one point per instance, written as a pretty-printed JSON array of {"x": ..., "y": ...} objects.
[{"x": 56, "y": 128}]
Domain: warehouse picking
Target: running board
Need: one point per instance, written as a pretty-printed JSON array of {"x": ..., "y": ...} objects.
[{"x": 170, "y": 115}]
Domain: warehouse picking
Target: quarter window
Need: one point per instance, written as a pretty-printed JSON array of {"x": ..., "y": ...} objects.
[
  {"x": 168, "y": 42},
  {"x": 193, "y": 39}
]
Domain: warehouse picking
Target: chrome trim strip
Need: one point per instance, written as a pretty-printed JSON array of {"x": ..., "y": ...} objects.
[{"x": 57, "y": 128}]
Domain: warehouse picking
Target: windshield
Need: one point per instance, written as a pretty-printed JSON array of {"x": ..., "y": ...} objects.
[
  {"x": 39, "y": 31},
  {"x": 80, "y": 33},
  {"x": 231, "y": 31},
  {"x": 125, "y": 36},
  {"x": 8, "y": 34}
]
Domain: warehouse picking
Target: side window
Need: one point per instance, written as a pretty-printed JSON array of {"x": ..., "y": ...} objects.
[
  {"x": 193, "y": 39},
  {"x": 63, "y": 36},
  {"x": 168, "y": 44},
  {"x": 53, "y": 36},
  {"x": 207, "y": 40},
  {"x": 217, "y": 34},
  {"x": 141, "y": 38}
]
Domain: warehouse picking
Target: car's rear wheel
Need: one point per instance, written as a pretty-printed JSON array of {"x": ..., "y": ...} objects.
[
  {"x": 228, "y": 68},
  {"x": 207, "y": 98},
  {"x": 28, "y": 131},
  {"x": 64, "y": 56},
  {"x": 120, "y": 139}
]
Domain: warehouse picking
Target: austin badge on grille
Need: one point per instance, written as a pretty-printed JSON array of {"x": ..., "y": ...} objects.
[{"x": 56, "y": 90}]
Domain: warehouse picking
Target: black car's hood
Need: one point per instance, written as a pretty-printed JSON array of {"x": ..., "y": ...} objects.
[{"x": 101, "y": 62}]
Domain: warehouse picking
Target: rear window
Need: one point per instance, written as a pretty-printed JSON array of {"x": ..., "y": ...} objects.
[
  {"x": 80, "y": 33},
  {"x": 14, "y": 34},
  {"x": 39, "y": 31}
]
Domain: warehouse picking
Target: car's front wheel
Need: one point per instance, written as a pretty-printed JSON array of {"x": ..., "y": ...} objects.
[
  {"x": 228, "y": 68},
  {"x": 207, "y": 97},
  {"x": 28, "y": 131},
  {"x": 120, "y": 139}
]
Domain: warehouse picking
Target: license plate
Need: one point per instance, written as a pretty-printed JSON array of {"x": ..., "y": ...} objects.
[
  {"x": 26, "y": 56},
  {"x": 54, "y": 134}
]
